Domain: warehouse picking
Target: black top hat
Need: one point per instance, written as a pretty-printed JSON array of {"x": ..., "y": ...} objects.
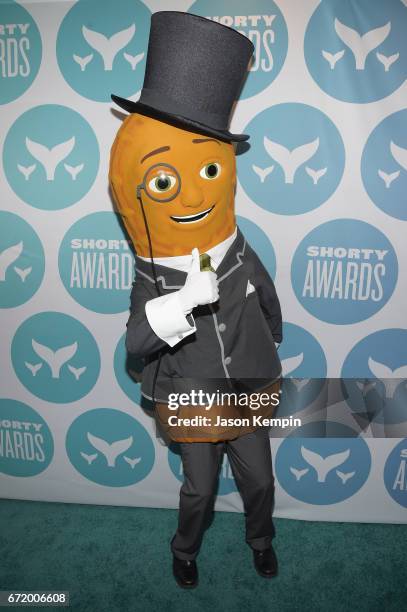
[{"x": 194, "y": 72}]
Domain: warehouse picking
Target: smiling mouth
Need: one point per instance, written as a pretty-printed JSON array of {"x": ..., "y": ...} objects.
[{"x": 193, "y": 218}]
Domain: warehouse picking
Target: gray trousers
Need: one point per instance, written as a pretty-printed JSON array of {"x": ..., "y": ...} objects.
[{"x": 251, "y": 464}]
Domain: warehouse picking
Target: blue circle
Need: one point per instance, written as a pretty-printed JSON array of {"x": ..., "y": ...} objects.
[
  {"x": 51, "y": 157},
  {"x": 301, "y": 353},
  {"x": 26, "y": 440},
  {"x": 347, "y": 50},
  {"x": 110, "y": 447},
  {"x": 384, "y": 165},
  {"x": 323, "y": 471},
  {"x": 20, "y": 50},
  {"x": 304, "y": 370},
  {"x": 395, "y": 473},
  {"x": 264, "y": 24},
  {"x": 101, "y": 49},
  {"x": 22, "y": 261},
  {"x": 55, "y": 357},
  {"x": 96, "y": 263},
  {"x": 374, "y": 374},
  {"x": 344, "y": 271},
  {"x": 295, "y": 161}
]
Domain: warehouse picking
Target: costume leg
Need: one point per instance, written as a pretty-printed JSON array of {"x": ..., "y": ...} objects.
[
  {"x": 201, "y": 463},
  {"x": 251, "y": 463}
]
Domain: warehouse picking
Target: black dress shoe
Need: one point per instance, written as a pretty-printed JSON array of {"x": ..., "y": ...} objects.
[
  {"x": 265, "y": 562},
  {"x": 185, "y": 572}
]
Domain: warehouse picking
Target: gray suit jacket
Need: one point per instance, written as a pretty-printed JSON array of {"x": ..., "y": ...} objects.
[{"x": 234, "y": 341}]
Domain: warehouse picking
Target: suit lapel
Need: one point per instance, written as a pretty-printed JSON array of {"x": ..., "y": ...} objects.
[
  {"x": 233, "y": 258},
  {"x": 169, "y": 278}
]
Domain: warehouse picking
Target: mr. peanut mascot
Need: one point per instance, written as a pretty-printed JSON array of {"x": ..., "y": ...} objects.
[{"x": 204, "y": 311}]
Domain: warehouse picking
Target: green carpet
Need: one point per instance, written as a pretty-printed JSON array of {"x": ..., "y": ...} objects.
[{"x": 113, "y": 558}]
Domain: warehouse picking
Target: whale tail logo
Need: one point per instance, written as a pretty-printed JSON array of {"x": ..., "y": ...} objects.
[
  {"x": 290, "y": 161},
  {"x": 344, "y": 477},
  {"x": 110, "y": 451},
  {"x": 50, "y": 158},
  {"x": 89, "y": 458},
  {"x": 262, "y": 173},
  {"x": 132, "y": 461},
  {"x": 388, "y": 178},
  {"x": 399, "y": 154},
  {"x": 77, "y": 372},
  {"x": 83, "y": 61},
  {"x": 315, "y": 174},
  {"x": 365, "y": 386},
  {"x": 9, "y": 256},
  {"x": 26, "y": 171},
  {"x": 33, "y": 367},
  {"x": 291, "y": 363},
  {"x": 390, "y": 378},
  {"x": 299, "y": 383},
  {"x": 323, "y": 466},
  {"x": 361, "y": 46},
  {"x": 298, "y": 473},
  {"x": 74, "y": 170},
  {"x": 22, "y": 273},
  {"x": 54, "y": 359},
  {"x": 108, "y": 47},
  {"x": 387, "y": 60},
  {"x": 332, "y": 58},
  {"x": 133, "y": 59}
]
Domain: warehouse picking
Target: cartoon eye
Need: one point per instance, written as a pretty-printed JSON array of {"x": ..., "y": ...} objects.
[
  {"x": 161, "y": 183},
  {"x": 210, "y": 171}
]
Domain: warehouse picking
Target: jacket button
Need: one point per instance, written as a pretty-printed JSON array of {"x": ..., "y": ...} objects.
[
  {"x": 222, "y": 327},
  {"x": 228, "y": 360}
]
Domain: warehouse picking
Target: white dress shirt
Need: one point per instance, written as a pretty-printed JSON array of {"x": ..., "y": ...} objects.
[
  {"x": 183, "y": 262},
  {"x": 165, "y": 314}
]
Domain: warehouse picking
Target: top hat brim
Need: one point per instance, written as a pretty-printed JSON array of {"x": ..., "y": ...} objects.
[{"x": 176, "y": 120}]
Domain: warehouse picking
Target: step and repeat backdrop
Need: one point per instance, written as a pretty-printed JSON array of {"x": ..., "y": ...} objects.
[{"x": 321, "y": 197}]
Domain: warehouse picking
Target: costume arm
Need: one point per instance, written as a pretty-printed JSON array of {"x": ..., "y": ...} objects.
[
  {"x": 169, "y": 319},
  {"x": 155, "y": 322},
  {"x": 269, "y": 301}
]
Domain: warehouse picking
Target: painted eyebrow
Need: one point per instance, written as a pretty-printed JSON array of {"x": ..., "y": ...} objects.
[
  {"x": 160, "y": 150},
  {"x": 196, "y": 140}
]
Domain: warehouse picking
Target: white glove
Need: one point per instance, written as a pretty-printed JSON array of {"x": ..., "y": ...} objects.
[{"x": 200, "y": 287}]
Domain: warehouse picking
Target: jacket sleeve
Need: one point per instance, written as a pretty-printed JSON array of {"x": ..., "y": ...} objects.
[
  {"x": 269, "y": 302},
  {"x": 140, "y": 338}
]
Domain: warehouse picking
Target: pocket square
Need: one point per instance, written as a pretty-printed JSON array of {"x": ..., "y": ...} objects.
[{"x": 250, "y": 288}]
